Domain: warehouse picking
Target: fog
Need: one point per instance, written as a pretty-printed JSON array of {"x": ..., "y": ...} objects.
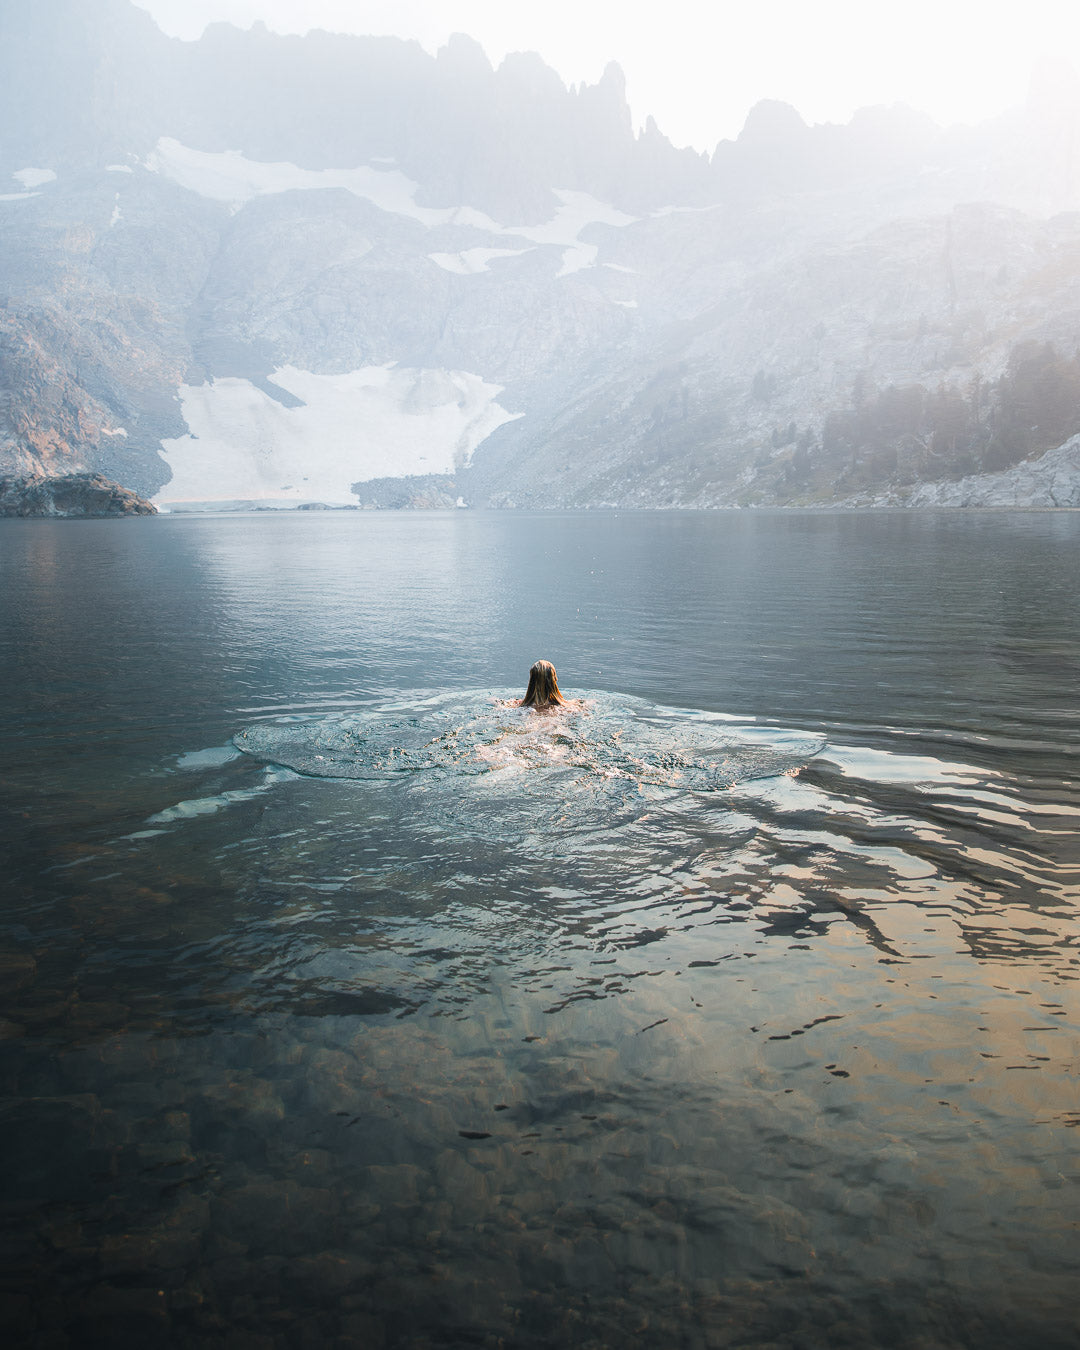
[{"x": 698, "y": 70}]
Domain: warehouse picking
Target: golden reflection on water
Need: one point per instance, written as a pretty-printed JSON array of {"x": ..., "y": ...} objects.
[{"x": 720, "y": 1087}]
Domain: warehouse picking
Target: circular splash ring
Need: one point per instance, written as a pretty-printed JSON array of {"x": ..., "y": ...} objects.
[{"x": 481, "y": 731}]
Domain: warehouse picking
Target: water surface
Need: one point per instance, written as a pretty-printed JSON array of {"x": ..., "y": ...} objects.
[{"x": 346, "y": 1004}]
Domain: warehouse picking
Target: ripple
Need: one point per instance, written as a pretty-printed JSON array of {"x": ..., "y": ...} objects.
[{"x": 483, "y": 731}]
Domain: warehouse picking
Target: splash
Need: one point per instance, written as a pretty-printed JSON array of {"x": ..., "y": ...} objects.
[{"x": 478, "y": 732}]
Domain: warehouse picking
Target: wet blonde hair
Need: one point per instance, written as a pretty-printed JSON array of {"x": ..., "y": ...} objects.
[{"x": 543, "y": 690}]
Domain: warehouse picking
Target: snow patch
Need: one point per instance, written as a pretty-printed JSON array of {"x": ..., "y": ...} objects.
[
  {"x": 684, "y": 210},
  {"x": 17, "y": 196},
  {"x": 116, "y": 212},
  {"x": 627, "y": 304},
  {"x": 577, "y": 210},
  {"x": 119, "y": 168},
  {"x": 32, "y": 178},
  {"x": 229, "y": 177},
  {"x": 376, "y": 422},
  {"x": 618, "y": 267},
  {"x": 474, "y": 260},
  {"x": 114, "y": 431},
  {"x": 577, "y": 258}
]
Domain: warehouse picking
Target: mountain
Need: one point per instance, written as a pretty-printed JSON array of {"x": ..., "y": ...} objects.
[{"x": 340, "y": 270}]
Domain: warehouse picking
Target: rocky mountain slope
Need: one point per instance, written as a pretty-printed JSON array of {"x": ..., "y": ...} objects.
[{"x": 340, "y": 270}]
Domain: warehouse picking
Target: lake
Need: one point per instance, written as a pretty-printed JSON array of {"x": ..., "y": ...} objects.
[{"x": 345, "y": 1004}]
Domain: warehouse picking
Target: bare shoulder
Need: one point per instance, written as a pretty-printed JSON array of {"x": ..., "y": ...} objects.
[{"x": 547, "y": 709}]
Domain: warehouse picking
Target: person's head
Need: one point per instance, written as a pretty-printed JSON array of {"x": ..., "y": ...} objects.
[{"x": 543, "y": 687}]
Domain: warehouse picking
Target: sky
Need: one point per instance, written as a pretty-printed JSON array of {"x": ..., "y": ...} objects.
[{"x": 698, "y": 66}]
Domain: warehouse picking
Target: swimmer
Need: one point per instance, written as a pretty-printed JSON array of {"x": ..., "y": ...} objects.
[{"x": 543, "y": 691}]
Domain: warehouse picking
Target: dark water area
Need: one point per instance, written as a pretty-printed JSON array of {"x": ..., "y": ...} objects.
[{"x": 345, "y": 1005}]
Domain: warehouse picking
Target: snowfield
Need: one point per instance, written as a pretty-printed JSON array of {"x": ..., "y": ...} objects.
[
  {"x": 474, "y": 260},
  {"x": 32, "y": 178},
  {"x": 227, "y": 176},
  {"x": 376, "y": 422}
]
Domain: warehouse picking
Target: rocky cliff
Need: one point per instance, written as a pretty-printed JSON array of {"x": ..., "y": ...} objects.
[
  {"x": 1044, "y": 481},
  {"x": 67, "y": 495},
  {"x": 340, "y": 270}
]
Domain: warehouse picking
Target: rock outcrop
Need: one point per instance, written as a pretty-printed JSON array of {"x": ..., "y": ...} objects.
[
  {"x": 420, "y": 492},
  {"x": 70, "y": 495},
  {"x": 1050, "y": 480}
]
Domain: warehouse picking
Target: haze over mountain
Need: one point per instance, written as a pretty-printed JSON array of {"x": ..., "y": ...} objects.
[{"x": 338, "y": 269}]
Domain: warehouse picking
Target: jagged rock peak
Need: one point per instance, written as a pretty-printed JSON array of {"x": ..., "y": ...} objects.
[
  {"x": 772, "y": 120},
  {"x": 614, "y": 79},
  {"x": 651, "y": 132},
  {"x": 464, "y": 54}
]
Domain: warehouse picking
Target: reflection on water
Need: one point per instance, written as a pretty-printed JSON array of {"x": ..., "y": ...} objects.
[{"x": 429, "y": 1021}]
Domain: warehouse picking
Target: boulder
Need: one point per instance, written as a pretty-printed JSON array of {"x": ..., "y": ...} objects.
[{"x": 68, "y": 495}]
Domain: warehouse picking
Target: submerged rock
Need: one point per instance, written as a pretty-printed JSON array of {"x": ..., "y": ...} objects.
[{"x": 75, "y": 494}]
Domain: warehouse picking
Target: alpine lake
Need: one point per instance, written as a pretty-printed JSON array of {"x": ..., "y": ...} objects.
[{"x": 346, "y": 1004}]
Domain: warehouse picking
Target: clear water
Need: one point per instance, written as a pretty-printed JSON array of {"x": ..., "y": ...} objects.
[{"x": 345, "y": 1005}]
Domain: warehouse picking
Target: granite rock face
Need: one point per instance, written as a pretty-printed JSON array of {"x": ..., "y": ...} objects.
[
  {"x": 68, "y": 495},
  {"x": 342, "y": 271},
  {"x": 422, "y": 492},
  {"x": 1053, "y": 479}
]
